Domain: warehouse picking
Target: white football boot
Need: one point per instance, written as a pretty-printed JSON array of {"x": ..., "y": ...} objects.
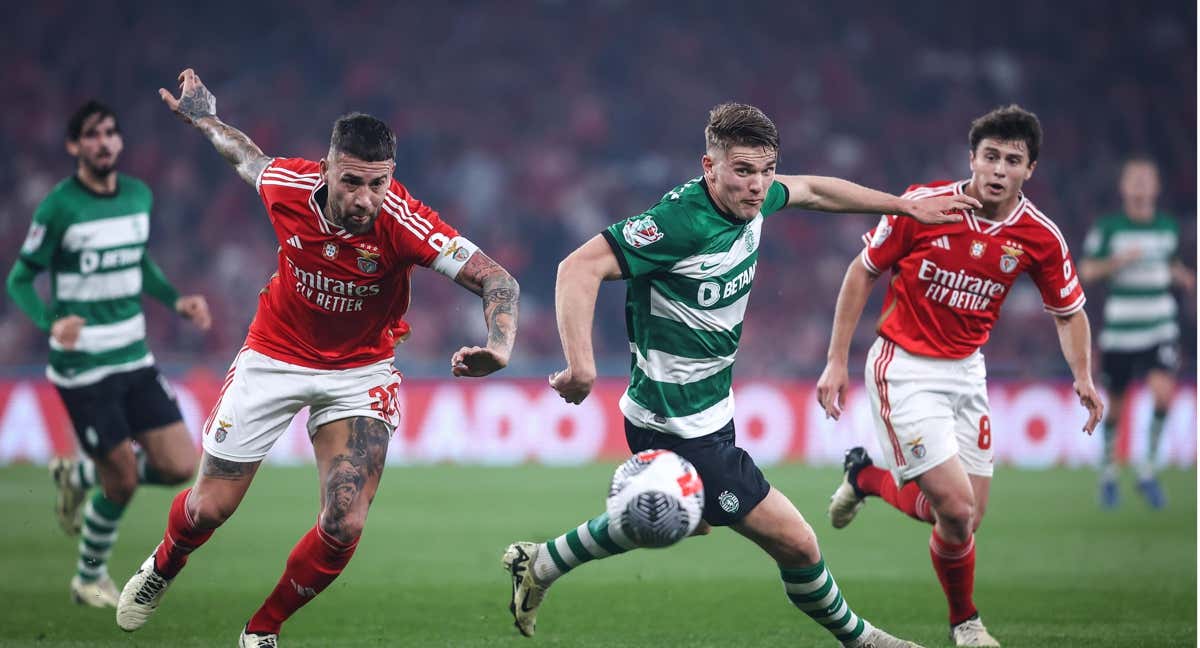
[
  {"x": 972, "y": 633},
  {"x": 68, "y": 503},
  {"x": 876, "y": 638},
  {"x": 527, "y": 592},
  {"x": 141, "y": 595},
  {"x": 100, "y": 593},
  {"x": 847, "y": 500},
  {"x": 256, "y": 640}
]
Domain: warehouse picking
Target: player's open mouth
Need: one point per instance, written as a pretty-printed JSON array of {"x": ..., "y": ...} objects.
[{"x": 995, "y": 187}]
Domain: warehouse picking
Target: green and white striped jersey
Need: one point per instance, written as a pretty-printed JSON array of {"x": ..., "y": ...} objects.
[
  {"x": 689, "y": 269},
  {"x": 1141, "y": 311},
  {"x": 93, "y": 246}
]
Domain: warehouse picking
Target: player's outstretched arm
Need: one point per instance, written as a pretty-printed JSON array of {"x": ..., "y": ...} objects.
[
  {"x": 1075, "y": 338},
  {"x": 821, "y": 193},
  {"x": 852, "y": 298},
  {"x": 575, "y": 291},
  {"x": 198, "y": 107},
  {"x": 501, "y": 293}
]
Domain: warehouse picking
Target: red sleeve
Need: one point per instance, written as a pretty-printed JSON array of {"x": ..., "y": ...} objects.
[
  {"x": 1055, "y": 275},
  {"x": 887, "y": 243},
  {"x": 418, "y": 232}
]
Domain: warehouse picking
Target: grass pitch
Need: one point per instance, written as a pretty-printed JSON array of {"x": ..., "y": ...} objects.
[{"x": 1053, "y": 570}]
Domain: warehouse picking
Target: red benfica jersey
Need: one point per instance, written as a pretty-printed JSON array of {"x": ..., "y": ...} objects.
[
  {"x": 337, "y": 299},
  {"x": 948, "y": 281}
]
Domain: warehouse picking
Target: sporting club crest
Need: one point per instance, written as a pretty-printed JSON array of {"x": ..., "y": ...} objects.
[
  {"x": 977, "y": 249},
  {"x": 368, "y": 261},
  {"x": 641, "y": 231},
  {"x": 1011, "y": 258},
  {"x": 330, "y": 251},
  {"x": 728, "y": 501}
]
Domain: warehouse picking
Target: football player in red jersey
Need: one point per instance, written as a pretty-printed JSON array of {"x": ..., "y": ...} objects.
[
  {"x": 925, "y": 375},
  {"x": 349, "y": 236}
]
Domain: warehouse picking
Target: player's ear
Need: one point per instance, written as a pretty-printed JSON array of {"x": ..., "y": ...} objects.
[
  {"x": 706, "y": 163},
  {"x": 72, "y": 148},
  {"x": 324, "y": 167},
  {"x": 1029, "y": 171}
]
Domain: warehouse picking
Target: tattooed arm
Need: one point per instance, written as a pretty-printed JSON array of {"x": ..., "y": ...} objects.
[
  {"x": 198, "y": 107},
  {"x": 500, "y": 292}
]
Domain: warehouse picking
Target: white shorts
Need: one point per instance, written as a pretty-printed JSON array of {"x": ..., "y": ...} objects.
[
  {"x": 927, "y": 410},
  {"x": 262, "y": 395}
]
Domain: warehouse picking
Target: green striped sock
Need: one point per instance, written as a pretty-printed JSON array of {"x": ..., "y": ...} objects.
[
  {"x": 99, "y": 533},
  {"x": 813, "y": 590},
  {"x": 591, "y": 540}
]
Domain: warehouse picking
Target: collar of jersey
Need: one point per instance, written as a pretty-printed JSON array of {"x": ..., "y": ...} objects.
[
  {"x": 326, "y": 225},
  {"x": 97, "y": 194},
  {"x": 981, "y": 224},
  {"x": 733, "y": 220}
]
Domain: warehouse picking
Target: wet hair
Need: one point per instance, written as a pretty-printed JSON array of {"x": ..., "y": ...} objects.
[
  {"x": 735, "y": 124},
  {"x": 363, "y": 137},
  {"x": 81, "y": 115},
  {"x": 1009, "y": 124}
]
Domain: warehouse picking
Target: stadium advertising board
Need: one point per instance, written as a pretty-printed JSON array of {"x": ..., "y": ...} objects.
[{"x": 505, "y": 422}]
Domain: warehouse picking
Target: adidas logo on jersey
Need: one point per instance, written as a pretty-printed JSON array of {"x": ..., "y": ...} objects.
[
  {"x": 295, "y": 242},
  {"x": 942, "y": 241}
]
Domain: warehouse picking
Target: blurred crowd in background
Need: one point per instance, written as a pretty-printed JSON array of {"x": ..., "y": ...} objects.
[{"x": 532, "y": 125}]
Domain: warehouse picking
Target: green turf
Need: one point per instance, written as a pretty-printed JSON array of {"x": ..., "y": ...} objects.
[{"x": 1052, "y": 571}]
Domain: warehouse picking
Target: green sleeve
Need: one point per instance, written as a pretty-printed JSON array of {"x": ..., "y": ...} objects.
[
  {"x": 155, "y": 284},
  {"x": 44, "y": 232},
  {"x": 1095, "y": 246},
  {"x": 652, "y": 241},
  {"x": 20, "y": 288},
  {"x": 777, "y": 198}
]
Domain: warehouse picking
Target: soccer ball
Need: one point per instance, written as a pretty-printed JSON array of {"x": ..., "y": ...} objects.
[{"x": 656, "y": 498}]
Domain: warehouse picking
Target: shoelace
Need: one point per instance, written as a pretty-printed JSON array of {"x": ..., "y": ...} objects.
[
  {"x": 268, "y": 641},
  {"x": 151, "y": 588}
]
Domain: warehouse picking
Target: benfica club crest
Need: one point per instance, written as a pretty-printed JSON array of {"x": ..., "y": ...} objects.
[
  {"x": 977, "y": 249},
  {"x": 222, "y": 430},
  {"x": 330, "y": 251},
  {"x": 1011, "y": 258},
  {"x": 368, "y": 261}
]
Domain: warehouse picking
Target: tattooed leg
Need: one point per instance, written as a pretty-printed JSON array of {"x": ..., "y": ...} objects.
[
  {"x": 219, "y": 489},
  {"x": 350, "y": 457}
]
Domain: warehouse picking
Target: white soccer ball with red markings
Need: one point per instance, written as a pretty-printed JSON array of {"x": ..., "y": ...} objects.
[{"x": 656, "y": 498}]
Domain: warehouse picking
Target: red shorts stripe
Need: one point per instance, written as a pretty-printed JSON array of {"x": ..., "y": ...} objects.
[
  {"x": 885, "y": 408},
  {"x": 228, "y": 381}
]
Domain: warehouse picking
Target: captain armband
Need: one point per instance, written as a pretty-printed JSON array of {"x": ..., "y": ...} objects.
[{"x": 453, "y": 256}]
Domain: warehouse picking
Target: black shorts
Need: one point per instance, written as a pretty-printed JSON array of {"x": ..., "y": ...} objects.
[
  {"x": 733, "y": 484},
  {"x": 118, "y": 407},
  {"x": 1119, "y": 368}
]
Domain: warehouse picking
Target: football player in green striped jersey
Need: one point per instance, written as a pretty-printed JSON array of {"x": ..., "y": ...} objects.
[
  {"x": 1136, "y": 252},
  {"x": 90, "y": 234},
  {"x": 689, "y": 263}
]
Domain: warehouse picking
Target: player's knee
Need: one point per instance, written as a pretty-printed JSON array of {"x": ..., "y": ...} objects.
[
  {"x": 209, "y": 512},
  {"x": 177, "y": 473},
  {"x": 119, "y": 488},
  {"x": 798, "y": 548},
  {"x": 957, "y": 515},
  {"x": 704, "y": 528},
  {"x": 344, "y": 528}
]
